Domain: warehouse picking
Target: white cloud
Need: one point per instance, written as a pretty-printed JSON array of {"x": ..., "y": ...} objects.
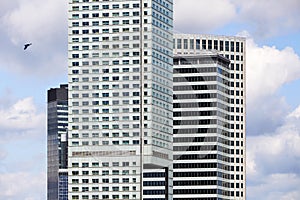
[
  {"x": 22, "y": 155},
  {"x": 44, "y": 23},
  {"x": 263, "y": 18},
  {"x": 202, "y": 15},
  {"x": 22, "y": 185},
  {"x": 267, "y": 70},
  {"x": 269, "y": 18},
  {"x": 276, "y": 186},
  {"x": 273, "y": 162},
  {"x": 35, "y": 20},
  {"x": 21, "y": 118}
]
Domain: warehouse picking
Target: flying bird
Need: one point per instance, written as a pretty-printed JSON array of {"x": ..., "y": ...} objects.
[{"x": 27, "y": 45}]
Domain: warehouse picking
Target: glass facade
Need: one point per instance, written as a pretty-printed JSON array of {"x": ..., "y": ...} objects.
[
  {"x": 63, "y": 185},
  {"x": 57, "y": 123}
]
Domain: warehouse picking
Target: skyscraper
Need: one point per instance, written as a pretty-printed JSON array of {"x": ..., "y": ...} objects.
[
  {"x": 209, "y": 117},
  {"x": 57, "y": 117},
  {"x": 120, "y": 99}
]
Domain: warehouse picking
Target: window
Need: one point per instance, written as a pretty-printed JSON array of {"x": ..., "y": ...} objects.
[
  {"x": 75, "y": 40},
  {"x": 125, "y": 21},
  {"x": 95, "y": 47},
  {"x": 126, "y": 142},
  {"x": 125, "y": 180},
  {"x": 203, "y": 44},
  {"x": 85, "y": 165},
  {"x": 115, "y": 22},
  {"x": 136, "y": 142},
  {"x": 115, "y": 6},
  {"x": 95, "y": 172},
  {"x": 185, "y": 44},
  {"x": 95, "y": 7},
  {"x": 75, "y": 16},
  {"x": 115, "y": 62},
  {"x": 105, "y": 6},
  {"x": 75, "y": 32},
  {"x": 232, "y": 46},
  {"x": 125, "y": 134},
  {"x": 105, "y": 23},
  {"x": 179, "y": 44},
  {"x": 115, "y": 180},
  {"x": 226, "y": 45},
  {"x": 95, "y": 23},
  {"x": 95, "y": 180},
  {"x": 75, "y": 24},
  {"x": 105, "y": 172},
  {"x": 75, "y": 48},
  {"x": 125, "y": 69}
]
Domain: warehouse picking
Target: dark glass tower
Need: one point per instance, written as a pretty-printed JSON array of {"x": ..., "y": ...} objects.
[{"x": 57, "y": 116}]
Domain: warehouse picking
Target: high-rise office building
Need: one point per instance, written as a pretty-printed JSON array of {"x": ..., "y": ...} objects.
[
  {"x": 57, "y": 123},
  {"x": 120, "y": 99},
  {"x": 209, "y": 117}
]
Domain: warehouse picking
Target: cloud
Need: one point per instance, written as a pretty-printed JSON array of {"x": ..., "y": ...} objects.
[
  {"x": 21, "y": 118},
  {"x": 268, "y": 69},
  {"x": 22, "y": 144},
  {"x": 269, "y": 18},
  {"x": 273, "y": 162},
  {"x": 7, "y": 5},
  {"x": 278, "y": 152},
  {"x": 36, "y": 20},
  {"x": 44, "y": 23},
  {"x": 262, "y": 18},
  {"x": 22, "y": 185},
  {"x": 276, "y": 186},
  {"x": 195, "y": 15},
  {"x": 273, "y": 130}
]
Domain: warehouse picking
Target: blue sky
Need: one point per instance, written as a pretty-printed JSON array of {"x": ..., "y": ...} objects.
[{"x": 272, "y": 29}]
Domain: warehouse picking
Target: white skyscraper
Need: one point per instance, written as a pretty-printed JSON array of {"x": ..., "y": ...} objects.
[
  {"x": 209, "y": 117},
  {"x": 120, "y": 99}
]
